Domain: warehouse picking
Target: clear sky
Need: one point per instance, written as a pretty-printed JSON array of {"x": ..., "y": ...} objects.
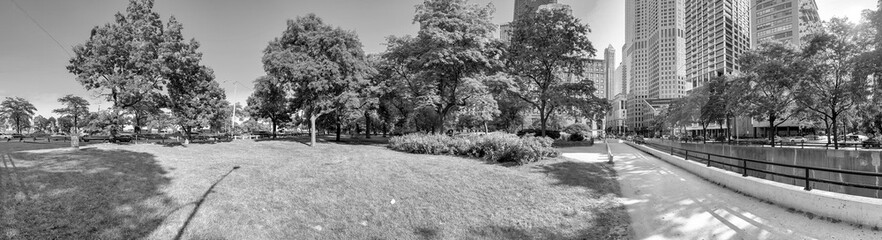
[{"x": 233, "y": 33}]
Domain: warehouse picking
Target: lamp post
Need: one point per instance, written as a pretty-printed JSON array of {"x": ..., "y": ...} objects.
[{"x": 233, "y": 105}]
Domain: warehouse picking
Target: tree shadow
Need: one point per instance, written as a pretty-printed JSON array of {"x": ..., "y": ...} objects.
[
  {"x": 330, "y": 139},
  {"x": 87, "y": 194},
  {"x": 596, "y": 176}
]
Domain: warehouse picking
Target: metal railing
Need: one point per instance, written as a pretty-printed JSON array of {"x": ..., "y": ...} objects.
[
  {"x": 704, "y": 157},
  {"x": 792, "y": 144}
]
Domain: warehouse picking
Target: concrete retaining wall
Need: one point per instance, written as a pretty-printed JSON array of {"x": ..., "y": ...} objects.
[
  {"x": 865, "y": 161},
  {"x": 854, "y": 209}
]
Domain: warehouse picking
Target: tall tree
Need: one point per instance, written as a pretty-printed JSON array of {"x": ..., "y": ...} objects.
[
  {"x": 123, "y": 60},
  {"x": 41, "y": 124},
  {"x": 269, "y": 101},
  {"x": 75, "y": 107},
  {"x": 18, "y": 111},
  {"x": 320, "y": 65},
  {"x": 832, "y": 85},
  {"x": 772, "y": 72},
  {"x": 455, "y": 43},
  {"x": 53, "y": 124},
  {"x": 546, "y": 46}
]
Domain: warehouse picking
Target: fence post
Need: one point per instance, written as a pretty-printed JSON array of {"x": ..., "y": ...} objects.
[
  {"x": 708, "y": 160},
  {"x": 687, "y": 155},
  {"x": 808, "y": 186},
  {"x": 672, "y": 151},
  {"x": 744, "y": 166}
]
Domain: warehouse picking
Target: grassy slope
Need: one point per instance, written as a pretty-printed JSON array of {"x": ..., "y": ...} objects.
[{"x": 286, "y": 190}]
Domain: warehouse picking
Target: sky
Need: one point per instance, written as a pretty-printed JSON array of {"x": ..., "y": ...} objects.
[{"x": 233, "y": 34}]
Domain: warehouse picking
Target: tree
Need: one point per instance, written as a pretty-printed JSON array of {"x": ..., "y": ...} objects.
[
  {"x": 123, "y": 60},
  {"x": 53, "y": 124},
  {"x": 714, "y": 108},
  {"x": 196, "y": 99},
  {"x": 19, "y": 111},
  {"x": 75, "y": 107},
  {"x": 772, "y": 71},
  {"x": 321, "y": 66},
  {"x": 454, "y": 43},
  {"x": 832, "y": 85},
  {"x": 41, "y": 124},
  {"x": 545, "y": 46},
  {"x": 268, "y": 101}
]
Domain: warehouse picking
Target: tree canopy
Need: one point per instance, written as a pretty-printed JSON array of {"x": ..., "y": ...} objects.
[
  {"x": 455, "y": 43},
  {"x": 547, "y": 46},
  {"x": 319, "y": 65},
  {"x": 269, "y": 101},
  {"x": 18, "y": 111},
  {"x": 75, "y": 107}
]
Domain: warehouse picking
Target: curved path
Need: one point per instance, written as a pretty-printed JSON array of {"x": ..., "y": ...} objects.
[{"x": 666, "y": 202}]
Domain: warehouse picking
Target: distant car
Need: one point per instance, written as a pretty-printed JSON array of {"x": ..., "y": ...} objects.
[
  {"x": 796, "y": 140},
  {"x": 122, "y": 138},
  {"x": 97, "y": 138},
  {"x": 871, "y": 143},
  {"x": 5, "y": 136},
  {"x": 639, "y": 140}
]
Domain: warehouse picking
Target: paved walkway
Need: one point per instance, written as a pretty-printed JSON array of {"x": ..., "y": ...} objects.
[{"x": 666, "y": 202}]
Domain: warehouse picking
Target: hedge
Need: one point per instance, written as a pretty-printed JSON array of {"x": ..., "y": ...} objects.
[{"x": 493, "y": 147}]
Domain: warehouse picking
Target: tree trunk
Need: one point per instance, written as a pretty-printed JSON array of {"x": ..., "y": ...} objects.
[
  {"x": 312, "y": 130},
  {"x": 338, "y": 127},
  {"x": 274, "y": 128},
  {"x": 833, "y": 118},
  {"x": 367, "y": 125},
  {"x": 773, "y": 130},
  {"x": 385, "y": 128},
  {"x": 827, "y": 132},
  {"x": 543, "y": 120}
]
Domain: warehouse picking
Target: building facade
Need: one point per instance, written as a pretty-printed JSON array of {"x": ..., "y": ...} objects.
[
  {"x": 654, "y": 57},
  {"x": 523, "y": 7},
  {"x": 609, "y": 61},
  {"x": 718, "y": 32},
  {"x": 783, "y": 20}
]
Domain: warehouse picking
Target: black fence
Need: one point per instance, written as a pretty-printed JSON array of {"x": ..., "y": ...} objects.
[
  {"x": 792, "y": 144},
  {"x": 741, "y": 166}
]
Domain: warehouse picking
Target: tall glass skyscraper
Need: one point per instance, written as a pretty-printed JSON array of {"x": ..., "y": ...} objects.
[{"x": 717, "y": 33}]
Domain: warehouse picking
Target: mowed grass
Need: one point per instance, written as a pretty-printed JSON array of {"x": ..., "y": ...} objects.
[{"x": 287, "y": 190}]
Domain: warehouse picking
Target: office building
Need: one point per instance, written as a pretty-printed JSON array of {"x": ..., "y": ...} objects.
[
  {"x": 654, "y": 58},
  {"x": 783, "y": 20},
  {"x": 609, "y": 61},
  {"x": 717, "y": 33},
  {"x": 523, "y": 7}
]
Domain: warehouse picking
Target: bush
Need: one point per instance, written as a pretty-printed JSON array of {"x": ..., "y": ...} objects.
[
  {"x": 553, "y": 134},
  {"x": 579, "y": 128},
  {"x": 577, "y": 137},
  {"x": 494, "y": 147}
]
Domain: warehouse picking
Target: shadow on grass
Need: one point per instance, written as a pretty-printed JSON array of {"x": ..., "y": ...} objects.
[
  {"x": 595, "y": 176},
  {"x": 331, "y": 139},
  {"x": 87, "y": 194}
]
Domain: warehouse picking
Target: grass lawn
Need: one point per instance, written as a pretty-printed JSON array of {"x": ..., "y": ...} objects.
[{"x": 287, "y": 190}]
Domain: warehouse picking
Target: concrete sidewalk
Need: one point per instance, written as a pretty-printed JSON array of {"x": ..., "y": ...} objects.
[{"x": 666, "y": 202}]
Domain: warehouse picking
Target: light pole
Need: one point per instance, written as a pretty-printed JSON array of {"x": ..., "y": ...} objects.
[{"x": 233, "y": 105}]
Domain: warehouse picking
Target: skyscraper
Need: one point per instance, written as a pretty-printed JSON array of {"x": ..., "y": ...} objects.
[
  {"x": 717, "y": 33},
  {"x": 609, "y": 60},
  {"x": 654, "y": 57},
  {"x": 522, "y": 7},
  {"x": 783, "y": 20}
]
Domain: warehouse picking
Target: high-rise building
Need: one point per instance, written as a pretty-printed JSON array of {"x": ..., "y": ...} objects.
[
  {"x": 654, "y": 57},
  {"x": 783, "y": 20},
  {"x": 522, "y": 7},
  {"x": 609, "y": 61},
  {"x": 717, "y": 33}
]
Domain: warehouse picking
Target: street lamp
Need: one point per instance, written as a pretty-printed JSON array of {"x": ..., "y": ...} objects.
[{"x": 233, "y": 105}]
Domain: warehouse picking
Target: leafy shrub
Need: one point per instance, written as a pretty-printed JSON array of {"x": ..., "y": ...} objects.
[
  {"x": 579, "y": 128},
  {"x": 577, "y": 137},
  {"x": 494, "y": 147},
  {"x": 553, "y": 134}
]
